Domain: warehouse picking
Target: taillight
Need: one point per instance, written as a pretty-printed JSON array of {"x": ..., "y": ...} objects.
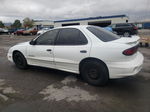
[{"x": 130, "y": 51}]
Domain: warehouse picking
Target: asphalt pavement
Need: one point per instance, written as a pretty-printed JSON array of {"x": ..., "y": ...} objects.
[{"x": 40, "y": 89}]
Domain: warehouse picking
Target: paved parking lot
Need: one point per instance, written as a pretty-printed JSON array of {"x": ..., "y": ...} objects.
[{"x": 46, "y": 90}]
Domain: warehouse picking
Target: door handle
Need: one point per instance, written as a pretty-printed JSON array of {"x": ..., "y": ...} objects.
[
  {"x": 48, "y": 50},
  {"x": 83, "y": 51}
]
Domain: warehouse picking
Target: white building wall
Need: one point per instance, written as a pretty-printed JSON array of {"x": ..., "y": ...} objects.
[
  {"x": 44, "y": 23},
  {"x": 85, "y": 22},
  {"x": 119, "y": 20}
]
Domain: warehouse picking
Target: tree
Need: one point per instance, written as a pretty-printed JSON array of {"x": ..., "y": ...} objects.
[
  {"x": 2, "y": 24},
  {"x": 28, "y": 23},
  {"x": 17, "y": 24}
]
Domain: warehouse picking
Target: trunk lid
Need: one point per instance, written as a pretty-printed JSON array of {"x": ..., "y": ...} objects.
[{"x": 134, "y": 40}]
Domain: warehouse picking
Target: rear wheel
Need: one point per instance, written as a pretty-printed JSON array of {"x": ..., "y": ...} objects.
[
  {"x": 146, "y": 45},
  {"x": 20, "y": 60},
  {"x": 126, "y": 34},
  {"x": 94, "y": 73}
]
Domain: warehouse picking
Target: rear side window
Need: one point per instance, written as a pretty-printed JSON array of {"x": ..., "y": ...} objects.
[
  {"x": 71, "y": 36},
  {"x": 102, "y": 34}
]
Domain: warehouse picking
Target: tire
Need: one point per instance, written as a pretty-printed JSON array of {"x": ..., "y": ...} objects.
[
  {"x": 94, "y": 73},
  {"x": 126, "y": 34},
  {"x": 146, "y": 45},
  {"x": 141, "y": 45},
  {"x": 19, "y": 60}
]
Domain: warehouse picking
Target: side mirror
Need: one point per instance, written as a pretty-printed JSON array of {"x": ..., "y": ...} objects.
[{"x": 32, "y": 42}]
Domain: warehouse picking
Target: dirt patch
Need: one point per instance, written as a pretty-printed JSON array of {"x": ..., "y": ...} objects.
[
  {"x": 67, "y": 92},
  {"x": 5, "y": 91}
]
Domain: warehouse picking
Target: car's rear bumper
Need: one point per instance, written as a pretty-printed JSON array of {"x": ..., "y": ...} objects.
[{"x": 124, "y": 69}]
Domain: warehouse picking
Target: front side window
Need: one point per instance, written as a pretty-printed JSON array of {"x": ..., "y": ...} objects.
[
  {"x": 102, "y": 34},
  {"x": 71, "y": 36},
  {"x": 47, "y": 38}
]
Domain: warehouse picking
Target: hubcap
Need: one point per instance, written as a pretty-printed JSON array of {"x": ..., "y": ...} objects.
[
  {"x": 18, "y": 60},
  {"x": 92, "y": 73},
  {"x": 126, "y": 34}
]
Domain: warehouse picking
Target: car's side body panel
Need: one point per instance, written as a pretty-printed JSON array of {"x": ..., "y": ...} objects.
[{"x": 40, "y": 56}]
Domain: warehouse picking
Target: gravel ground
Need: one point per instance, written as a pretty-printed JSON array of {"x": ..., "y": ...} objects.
[
  {"x": 144, "y": 33},
  {"x": 46, "y": 90}
]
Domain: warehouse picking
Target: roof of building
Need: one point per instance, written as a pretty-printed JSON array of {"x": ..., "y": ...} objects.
[
  {"x": 42, "y": 20},
  {"x": 91, "y": 18}
]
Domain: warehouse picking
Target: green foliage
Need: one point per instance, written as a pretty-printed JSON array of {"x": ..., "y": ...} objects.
[
  {"x": 2, "y": 24},
  {"x": 28, "y": 23},
  {"x": 17, "y": 24}
]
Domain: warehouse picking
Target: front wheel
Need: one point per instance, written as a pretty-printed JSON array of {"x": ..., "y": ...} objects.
[
  {"x": 94, "y": 73},
  {"x": 20, "y": 60}
]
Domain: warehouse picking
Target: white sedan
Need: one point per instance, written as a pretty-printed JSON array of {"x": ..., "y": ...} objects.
[{"x": 97, "y": 55}]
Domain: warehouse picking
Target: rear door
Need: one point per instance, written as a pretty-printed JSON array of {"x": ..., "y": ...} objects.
[{"x": 70, "y": 48}]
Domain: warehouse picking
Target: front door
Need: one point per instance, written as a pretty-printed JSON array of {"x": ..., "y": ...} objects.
[{"x": 42, "y": 53}]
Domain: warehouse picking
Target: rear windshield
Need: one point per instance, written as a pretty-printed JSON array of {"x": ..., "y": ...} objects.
[{"x": 102, "y": 34}]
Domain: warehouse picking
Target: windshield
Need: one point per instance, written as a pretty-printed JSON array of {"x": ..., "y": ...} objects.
[{"x": 102, "y": 34}]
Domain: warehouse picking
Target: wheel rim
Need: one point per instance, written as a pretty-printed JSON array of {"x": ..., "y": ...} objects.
[
  {"x": 18, "y": 60},
  {"x": 93, "y": 73},
  {"x": 126, "y": 34}
]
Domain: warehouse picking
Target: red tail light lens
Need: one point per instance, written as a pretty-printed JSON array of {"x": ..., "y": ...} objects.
[{"x": 130, "y": 51}]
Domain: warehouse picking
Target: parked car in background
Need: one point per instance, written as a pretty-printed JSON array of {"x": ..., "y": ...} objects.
[
  {"x": 10, "y": 31},
  {"x": 94, "y": 53},
  {"x": 19, "y": 32},
  {"x": 124, "y": 29},
  {"x": 31, "y": 31},
  {"x": 3, "y": 31},
  {"x": 43, "y": 30}
]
